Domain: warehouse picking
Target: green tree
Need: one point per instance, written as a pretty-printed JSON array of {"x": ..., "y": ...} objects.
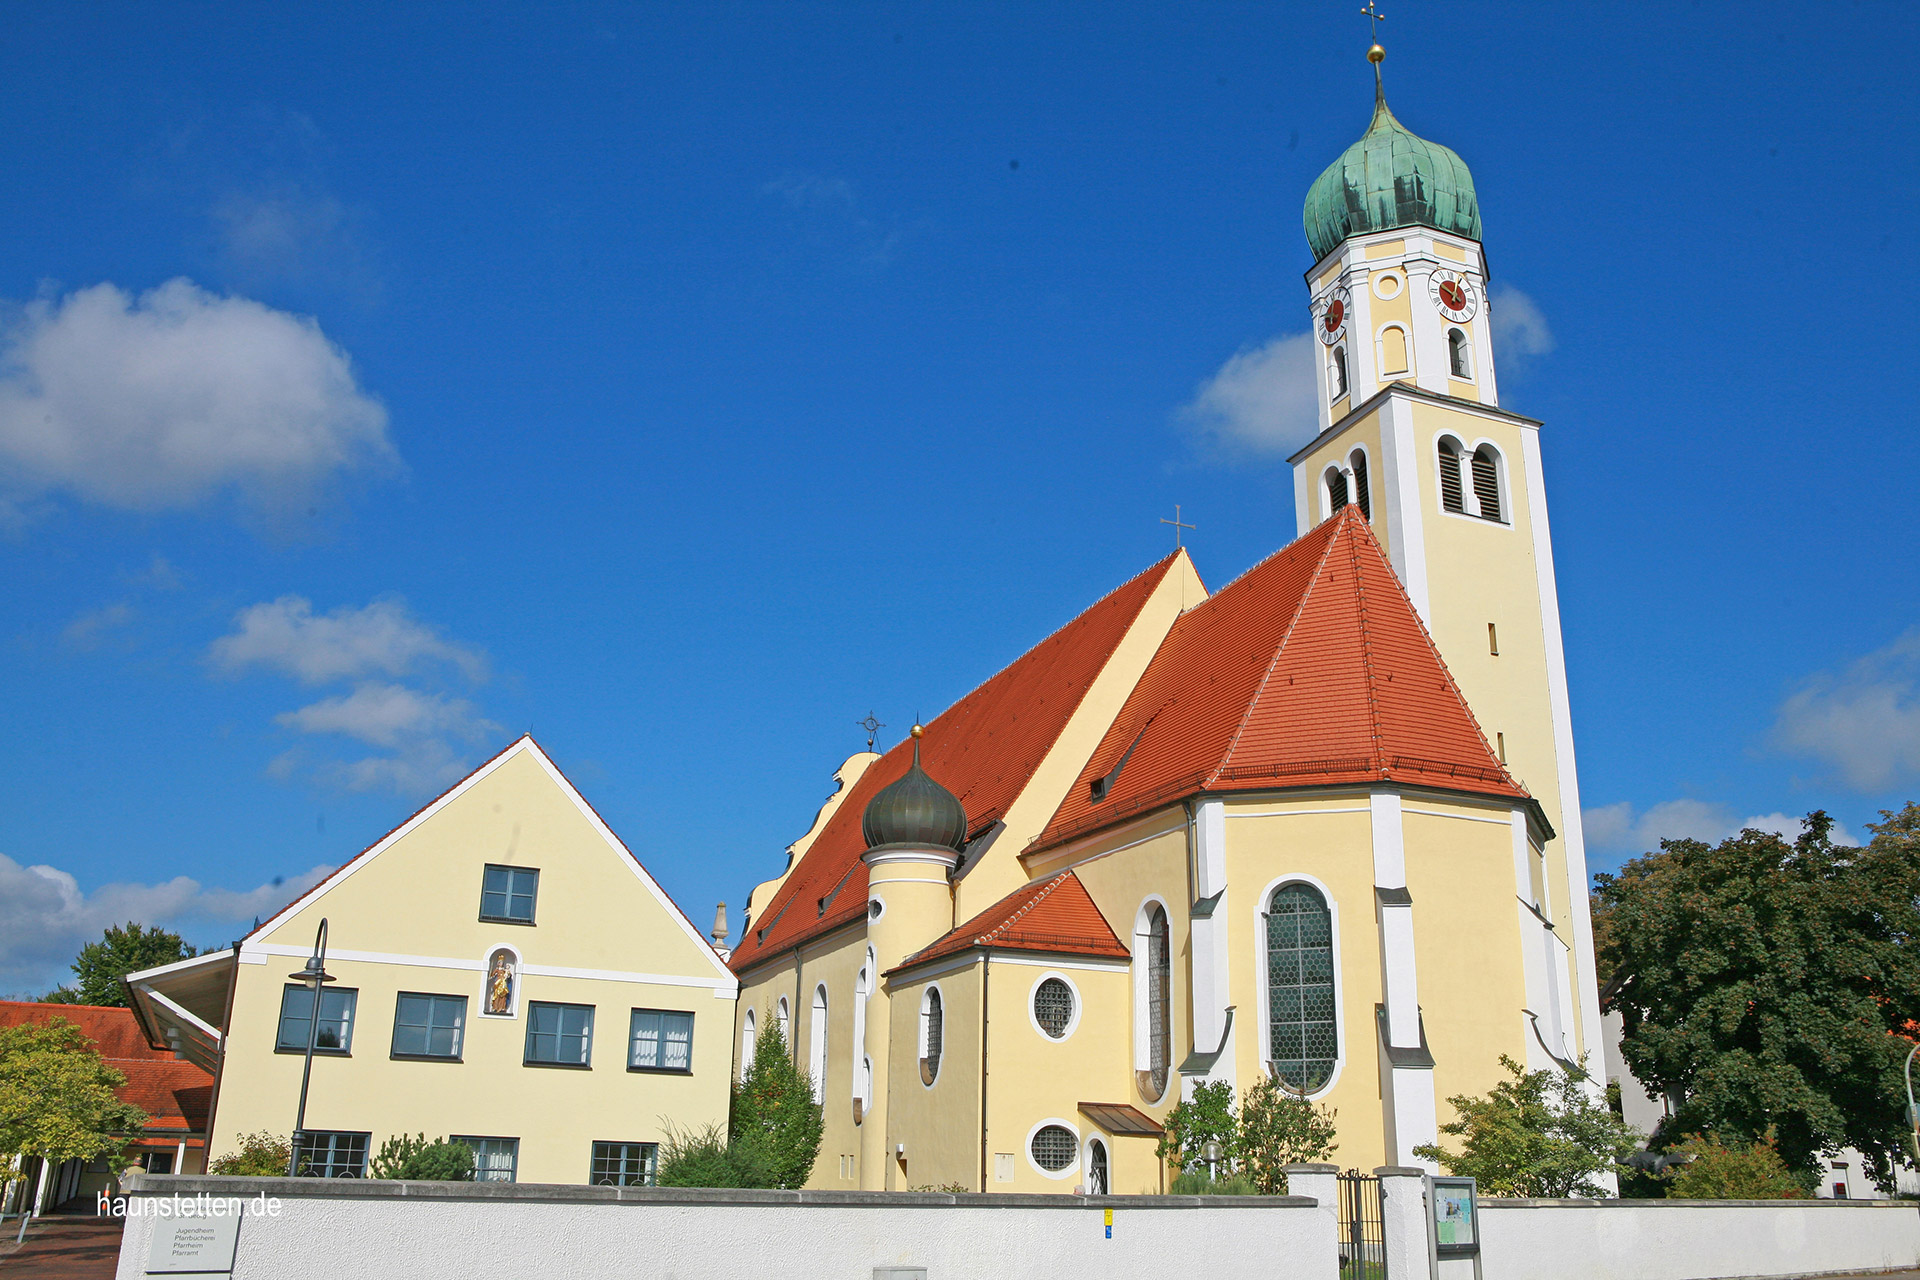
[
  {"x": 1767, "y": 984},
  {"x": 1194, "y": 1122},
  {"x": 708, "y": 1158},
  {"x": 123, "y": 950},
  {"x": 414, "y": 1159},
  {"x": 1538, "y": 1134},
  {"x": 1742, "y": 1171},
  {"x": 57, "y": 1097},
  {"x": 1279, "y": 1127},
  {"x": 261, "y": 1155},
  {"x": 774, "y": 1110}
]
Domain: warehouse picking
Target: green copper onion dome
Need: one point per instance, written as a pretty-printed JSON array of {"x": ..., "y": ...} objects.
[
  {"x": 1390, "y": 178},
  {"x": 914, "y": 809}
]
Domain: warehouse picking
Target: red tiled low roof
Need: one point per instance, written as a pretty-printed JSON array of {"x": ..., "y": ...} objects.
[
  {"x": 1312, "y": 668},
  {"x": 984, "y": 749},
  {"x": 1054, "y": 915},
  {"x": 174, "y": 1093}
]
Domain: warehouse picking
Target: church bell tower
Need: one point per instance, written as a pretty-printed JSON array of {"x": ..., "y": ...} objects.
[{"x": 1413, "y": 433}]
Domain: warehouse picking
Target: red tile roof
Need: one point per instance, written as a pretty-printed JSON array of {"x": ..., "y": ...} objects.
[
  {"x": 984, "y": 749},
  {"x": 1054, "y": 915},
  {"x": 174, "y": 1093},
  {"x": 1312, "y": 668}
]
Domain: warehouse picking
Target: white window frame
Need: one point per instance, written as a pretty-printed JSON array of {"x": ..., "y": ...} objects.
[
  {"x": 1467, "y": 334},
  {"x": 748, "y": 1030},
  {"x": 1142, "y": 1014},
  {"x": 1381, "y": 279},
  {"x": 1336, "y": 355},
  {"x": 1265, "y": 1010},
  {"x": 1373, "y": 476},
  {"x": 1073, "y": 1166},
  {"x": 1086, "y": 1160},
  {"x": 1079, "y": 1005},
  {"x": 783, "y": 1018},
  {"x": 926, "y": 1006},
  {"x": 1468, "y": 498},
  {"x": 817, "y": 1043}
]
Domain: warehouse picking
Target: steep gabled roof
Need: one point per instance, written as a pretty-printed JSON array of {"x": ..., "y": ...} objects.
[
  {"x": 1311, "y": 669},
  {"x": 984, "y": 749},
  {"x": 1054, "y": 915}
]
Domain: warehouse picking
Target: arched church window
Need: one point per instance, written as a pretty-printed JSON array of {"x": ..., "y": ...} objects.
[
  {"x": 783, "y": 1018},
  {"x": 1096, "y": 1168},
  {"x": 817, "y": 1044},
  {"x": 1357, "y": 463},
  {"x": 746, "y": 1044},
  {"x": 1393, "y": 351},
  {"x": 1159, "y": 1002},
  {"x": 1302, "y": 1043},
  {"x": 1486, "y": 481},
  {"x": 1337, "y": 372},
  {"x": 1459, "y": 353},
  {"x": 1336, "y": 491},
  {"x": 1451, "y": 496},
  {"x": 932, "y": 1029}
]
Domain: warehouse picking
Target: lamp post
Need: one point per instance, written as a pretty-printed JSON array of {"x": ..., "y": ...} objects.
[
  {"x": 315, "y": 976},
  {"x": 1212, "y": 1151}
]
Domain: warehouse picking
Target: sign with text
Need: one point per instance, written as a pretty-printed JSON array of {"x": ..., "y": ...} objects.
[
  {"x": 1456, "y": 1227},
  {"x": 193, "y": 1246}
]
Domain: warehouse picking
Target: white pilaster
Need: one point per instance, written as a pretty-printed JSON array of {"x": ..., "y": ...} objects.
[
  {"x": 1408, "y": 1085},
  {"x": 1211, "y": 953},
  {"x": 1406, "y": 527}
]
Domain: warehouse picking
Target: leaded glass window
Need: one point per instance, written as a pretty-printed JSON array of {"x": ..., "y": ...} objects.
[
  {"x": 1054, "y": 1148},
  {"x": 1053, "y": 1007},
  {"x": 1159, "y": 1001},
  {"x": 932, "y": 1031},
  {"x": 624, "y": 1164},
  {"x": 1301, "y": 1041}
]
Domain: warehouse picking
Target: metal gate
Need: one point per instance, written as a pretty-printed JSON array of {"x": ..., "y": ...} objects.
[{"x": 1363, "y": 1232}]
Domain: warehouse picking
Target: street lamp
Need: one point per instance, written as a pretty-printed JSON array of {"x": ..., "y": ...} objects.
[
  {"x": 315, "y": 976},
  {"x": 1212, "y": 1151}
]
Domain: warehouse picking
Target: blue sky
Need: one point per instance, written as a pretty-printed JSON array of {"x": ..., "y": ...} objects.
[{"x": 378, "y": 382}]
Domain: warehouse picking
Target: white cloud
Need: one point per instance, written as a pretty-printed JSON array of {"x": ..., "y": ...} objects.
[
  {"x": 388, "y": 715},
  {"x": 45, "y": 917},
  {"x": 1263, "y": 398},
  {"x": 1519, "y": 327},
  {"x": 1864, "y": 720},
  {"x": 1618, "y": 828},
  {"x": 381, "y": 638},
  {"x": 164, "y": 400},
  {"x": 290, "y": 231},
  {"x": 91, "y": 629}
]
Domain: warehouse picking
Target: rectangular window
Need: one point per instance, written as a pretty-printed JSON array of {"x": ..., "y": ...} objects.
[
  {"x": 560, "y": 1034},
  {"x": 336, "y": 1019},
  {"x": 661, "y": 1041},
  {"x": 427, "y": 1026},
  {"x": 507, "y": 893},
  {"x": 624, "y": 1164},
  {"x": 1493, "y": 640},
  {"x": 494, "y": 1159},
  {"x": 320, "y": 1154}
]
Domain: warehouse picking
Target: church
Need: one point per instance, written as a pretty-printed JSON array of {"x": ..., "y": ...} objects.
[{"x": 1320, "y": 823}]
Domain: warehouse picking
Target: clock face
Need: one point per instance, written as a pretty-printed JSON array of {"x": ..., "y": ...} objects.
[
  {"x": 1333, "y": 315},
  {"x": 1453, "y": 294}
]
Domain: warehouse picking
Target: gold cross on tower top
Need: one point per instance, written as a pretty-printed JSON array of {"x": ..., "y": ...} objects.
[
  {"x": 1373, "y": 15},
  {"x": 1177, "y": 525}
]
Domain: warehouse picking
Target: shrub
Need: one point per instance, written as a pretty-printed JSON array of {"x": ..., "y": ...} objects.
[
  {"x": 1195, "y": 1182},
  {"x": 707, "y": 1158},
  {"x": 1538, "y": 1134},
  {"x": 774, "y": 1111},
  {"x": 1719, "y": 1171},
  {"x": 261, "y": 1155},
  {"x": 1279, "y": 1127},
  {"x": 417, "y": 1160},
  {"x": 1192, "y": 1124}
]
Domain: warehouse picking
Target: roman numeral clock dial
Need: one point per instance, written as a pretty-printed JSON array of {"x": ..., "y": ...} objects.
[
  {"x": 1332, "y": 313},
  {"x": 1453, "y": 294}
]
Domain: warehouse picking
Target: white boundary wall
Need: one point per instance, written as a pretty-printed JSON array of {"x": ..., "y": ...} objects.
[
  {"x": 1690, "y": 1239},
  {"x": 457, "y": 1231}
]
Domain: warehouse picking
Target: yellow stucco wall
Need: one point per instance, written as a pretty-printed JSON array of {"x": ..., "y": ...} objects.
[{"x": 405, "y": 919}]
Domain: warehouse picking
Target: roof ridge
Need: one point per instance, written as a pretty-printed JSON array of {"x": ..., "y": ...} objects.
[
  {"x": 1039, "y": 895},
  {"x": 1273, "y": 662}
]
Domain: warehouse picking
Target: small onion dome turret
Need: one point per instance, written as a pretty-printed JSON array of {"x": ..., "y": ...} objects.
[
  {"x": 915, "y": 810},
  {"x": 1390, "y": 178}
]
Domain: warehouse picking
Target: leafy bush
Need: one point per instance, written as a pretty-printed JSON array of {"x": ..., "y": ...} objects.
[
  {"x": 417, "y": 1160},
  {"x": 707, "y": 1158},
  {"x": 774, "y": 1111},
  {"x": 1193, "y": 1123},
  {"x": 1718, "y": 1171},
  {"x": 1538, "y": 1134},
  {"x": 261, "y": 1155},
  {"x": 1195, "y": 1182},
  {"x": 1279, "y": 1127}
]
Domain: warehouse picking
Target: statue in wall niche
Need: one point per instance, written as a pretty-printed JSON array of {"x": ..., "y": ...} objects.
[{"x": 500, "y": 982}]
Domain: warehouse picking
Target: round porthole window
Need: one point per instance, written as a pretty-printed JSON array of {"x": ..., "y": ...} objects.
[
  {"x": 1054, "y": 1148},
  {"x": 1053, "y": 1007}
]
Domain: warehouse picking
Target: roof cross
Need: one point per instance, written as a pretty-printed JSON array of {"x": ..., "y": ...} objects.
[
  {"x": 872, "y": 726},
  {"x": 1177, "y": 525},
  {"x": 1373, "y": 15}
]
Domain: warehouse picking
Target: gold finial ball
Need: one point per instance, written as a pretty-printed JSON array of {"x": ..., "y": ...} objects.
[
  {"x": 916, "y": 731},
  {"x": 1376, "y": 55}
]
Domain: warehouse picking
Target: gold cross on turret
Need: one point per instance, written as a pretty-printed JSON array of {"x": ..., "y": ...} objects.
[{"x": 1373, "y": 15}]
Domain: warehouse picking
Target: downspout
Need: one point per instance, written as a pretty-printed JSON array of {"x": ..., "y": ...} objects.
[{"x": 986, "y": 975}]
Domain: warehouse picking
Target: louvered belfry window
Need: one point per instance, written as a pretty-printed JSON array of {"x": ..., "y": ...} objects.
[
  {"x": 1450, "y": 495},
  {"x": 1486, "y": 483},
  {"x": 1159, "y": 1001},
  {"x": 1302, "y": 1041},
  {"x": 1360, "y": 494},
  {"x": 1336, "y": 491}
]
